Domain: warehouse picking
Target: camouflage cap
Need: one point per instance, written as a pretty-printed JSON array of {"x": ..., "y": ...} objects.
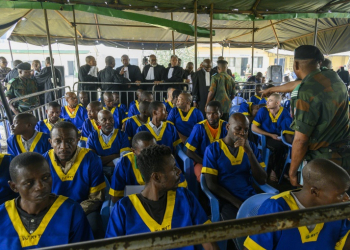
[
  {"x": 305, "y": 52},
  {"x": 24, "y": 66}
]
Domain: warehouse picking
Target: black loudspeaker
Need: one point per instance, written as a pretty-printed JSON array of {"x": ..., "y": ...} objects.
[{"x": 274, "y": 73}]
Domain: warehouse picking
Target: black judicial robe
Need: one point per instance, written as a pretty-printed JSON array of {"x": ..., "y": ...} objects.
[
  {"x": 215, "y": 71},
  {"x": 10, "y": 75},
  {"x": 187, "y": 73},
  {"x": 158, "y": 73},
  {"x": 84, "y": 77},
  {"x": 44, "y": 82},
  {"x": 134, "y": 73},
  {"x": 108, "y": 74},
  {"x": 200, "y": 90},
  {"x": 177, "y": 74}
]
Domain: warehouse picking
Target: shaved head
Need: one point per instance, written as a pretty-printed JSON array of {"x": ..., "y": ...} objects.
[
  {"x": 102, "y": 113},
  {"x": 187, "y": 96},
  {"x": 70, "y": 94},
  {"x": 108, "y": 95},
  {"x": 28, "y": 118},
  {"x": 96, "y": 105},
  {"x": 238, "y": 117}
]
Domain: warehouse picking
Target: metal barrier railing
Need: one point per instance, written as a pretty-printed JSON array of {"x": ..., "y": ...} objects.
[
  {"x": 247, "y": 89},
  {"x": 224, "y": 230},
  {"x": 159, "y": 94}
]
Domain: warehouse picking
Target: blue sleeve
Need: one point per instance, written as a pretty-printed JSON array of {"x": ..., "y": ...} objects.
[
  {"x": 90, "y": 143},
  {"x": 171, "y": 115},
  {"x": 37, "y": 126},
  {"x": 210, "y": 165},
  {"x": 199, "y": 116},
  {"x": 116, "y": 224},
  {"x": 176, "y": 137},
  {"x": 80, "y": 229},
  {"x": 243, "y": 108},
  {"x": 84, "y": 131},
  {"x": 10, "y": 145},
  {"x": 266, "y": 241},
  {"x": 259, "y": 118},
  {"x": 85, "y": 114},
  {"x": 129, "y": 129},
  {"x": 122, "y": 117},
  {"x": 285, "y": 126},
  {"x": 131, "y": 111},
  {"x": 195, "y": 139},
  {"x": 257, "y": 154},
  {"x": 97, "y": 180},
  {"x": 125, "y": 143},
  {"x": 118, "y": 181}
]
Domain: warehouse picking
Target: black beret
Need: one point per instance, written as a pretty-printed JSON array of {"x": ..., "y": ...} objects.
[
  {"x": 24, "y": 66},
  {"x": 305, "y": 52}
]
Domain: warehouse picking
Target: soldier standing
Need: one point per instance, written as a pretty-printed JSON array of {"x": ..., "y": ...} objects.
[{"x": 320, "y": 108}]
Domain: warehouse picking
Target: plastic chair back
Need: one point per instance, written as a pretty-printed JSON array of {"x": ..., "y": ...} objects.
[
  {"x": 234, "y": 109},
  {"x": 250, "y": 208},
  {"x": 188, "y": 170}
]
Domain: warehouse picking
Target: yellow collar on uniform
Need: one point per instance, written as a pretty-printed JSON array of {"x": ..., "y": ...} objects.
[
  {"x": 137, "y": 105},
  {"x": 27, "y": 239},
  {"x": 112, "y": 110},
  {"x": 170, "y": 103},
  {"x": 207, "y": 130},
  {"x": 305, "y": 234},
  {"x": 275, "y": 119},
  {"x": 34, "y": 143},
  {"x": 136, "y": 120},
  {"x": 94, "y": 125},
  {"x": 74, "y": 113},
  {"x": 71, "y": 173},
  {"x": 137, "y": 173},
  {"x": 109, "y": 144},
  {"x": 148, "y": 220},
  {"x": 160, "y": 136},
  {"x": 258, "y": 97},
  {"x": 48, "y": 124},
  {"x": 185, "y": 119},
  {"x": 234, "y": 160}
]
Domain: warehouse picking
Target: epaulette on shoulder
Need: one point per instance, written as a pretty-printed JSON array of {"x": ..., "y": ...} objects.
[{"x": 13, "y": 79}]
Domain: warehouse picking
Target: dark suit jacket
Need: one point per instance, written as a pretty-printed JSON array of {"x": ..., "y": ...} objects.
[
  {"x": 44, "y": 82},
  {"x": 200, "y": 90},
  {"x": 177, "y": 75},
  {"x": 134, "y": 73},
  {"x": 158, "y": 73},
  {"x": 344, "y": 75},
  {"x": 108, "y": 74},
  {"x": 84, "y": 77}
]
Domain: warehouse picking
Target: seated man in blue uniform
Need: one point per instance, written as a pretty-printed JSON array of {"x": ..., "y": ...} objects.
[
  {"x": 249, "y": 109},
  {"x": 108, "y": 143},
  {"x": 205, "y": 133},
  {"x": 116, "y": 110},
  {"x": 325, "y": 183},
  {"x": 134, "y": 109},
  {"x": 162, "y": 205},
  {"x": 91, "y": 123},
  {"x": 25, "y": 138},
  {"x": 73, "y": 112},
  {"x": 229, "y": 165},
  {"x": 77, "y": 173},
  {"x": 118, "y": 104},
  {"x": 265, "y": 87},
  {"x": 131, "y": 124},
  {"x": 6, "y": 192},
  {"x": 184, "y": 117},
  {"x": 257, "y": 97},
  {"x": 39, "y": 218},
  {"x": 164, "y": 131},
  {"x": 53, "y": 113},
  {"x": 138, "y": 97},
  {"x": 126, "y": 171},
  {"x": 168, "y": 102},
  {"x": 175, "y": 95},
  {"x": 271, "y": 121}
]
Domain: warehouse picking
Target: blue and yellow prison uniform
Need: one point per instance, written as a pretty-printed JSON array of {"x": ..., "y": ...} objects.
[
  {"x": 117, "y": 144},
  {"x": 234, "y": 173},
  {"x": 84, "y": 177},
  {"x": 329, "y": 235},
  {"x": 130, "y": 217},
  {"x": 126, "y": 173},
  {"x": 40, "y": 144},
  {"x": 45, "y": 127},
  {"x": 255, "y": 99},
  {"x": 168, "y": 135},
  {"x": 123, "y": 108},
  {"x": 274, "y": 125},
  {"x": 89, "y": 126},
  {"x": 286, "y": 105},
  {"x": 246, "y": 108},
  {"x": 263, "y": 100},
  {"x": 118, "y": 116},
  {"x": 201, "y": 136},
  {"x": 134, "y": 109},
  {"x": 168, "y": 105},
  {"x": 77, "y": 118},
  {"x": 131, "y": 126},
  {"x": 6, "y": 192},
  {"x": 65, "y": 222},
  {"x": 185, "y": 124}
]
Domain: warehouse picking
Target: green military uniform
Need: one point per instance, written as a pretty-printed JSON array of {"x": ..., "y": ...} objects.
[
  {"x": 320, "y": 109},
  {"x": 223, "y": 87},
  {"x": 18, "y": 87}
]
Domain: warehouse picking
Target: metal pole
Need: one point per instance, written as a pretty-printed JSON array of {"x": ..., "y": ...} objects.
[
  {"x": 315, "y": 32},
  {"x": 54, "y": 80},
  {"x": 277, "y": 56},
  {"x": 253, "y": 48},
  {"x": 10, "y": 50},
  {"x": 6, "y": 107},
  {"x": 76, "y": 40},
  {"x": 172, "y": 33},
  {"x": 195, "y": 34},
  {"x": 211, "y": 31}
]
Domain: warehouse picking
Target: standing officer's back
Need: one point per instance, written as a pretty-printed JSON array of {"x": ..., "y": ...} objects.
[{"x": 320, "y": 108}]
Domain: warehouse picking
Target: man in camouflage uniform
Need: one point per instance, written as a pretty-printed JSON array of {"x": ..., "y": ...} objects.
[
  {"x": 4, "y": 70},
  {"x": 320, "y": 109},
  {"x": 222, "y": 89},
  {"x": 20, "y": 86}
]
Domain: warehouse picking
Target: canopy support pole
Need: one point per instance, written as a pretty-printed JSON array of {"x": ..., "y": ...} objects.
[
  {"x": 76, "y": 41},
  {"x": 315, "y": 32},
  {"x": 195, "y": 34},
  {"x": 211, "y": 31},
  {"x": 10, "y": 50},
  {"x": 172, "y": 34},
  {"x": 277, "y": 56},
  {"x": 54, "y": 80},
  {"x": 253, "y": 40}
]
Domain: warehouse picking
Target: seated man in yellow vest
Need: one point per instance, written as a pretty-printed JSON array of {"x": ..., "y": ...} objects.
[
  {"x": 77, "y": 173},
  {"x": 25, "y": 138},
  {"x": 39, "y": 218},
  {"x": 53, "y": 113},
  {"x": 73, "y": 112}
]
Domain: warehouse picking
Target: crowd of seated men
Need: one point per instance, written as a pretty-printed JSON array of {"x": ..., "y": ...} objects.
[{"x": 53, "y": 179}]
